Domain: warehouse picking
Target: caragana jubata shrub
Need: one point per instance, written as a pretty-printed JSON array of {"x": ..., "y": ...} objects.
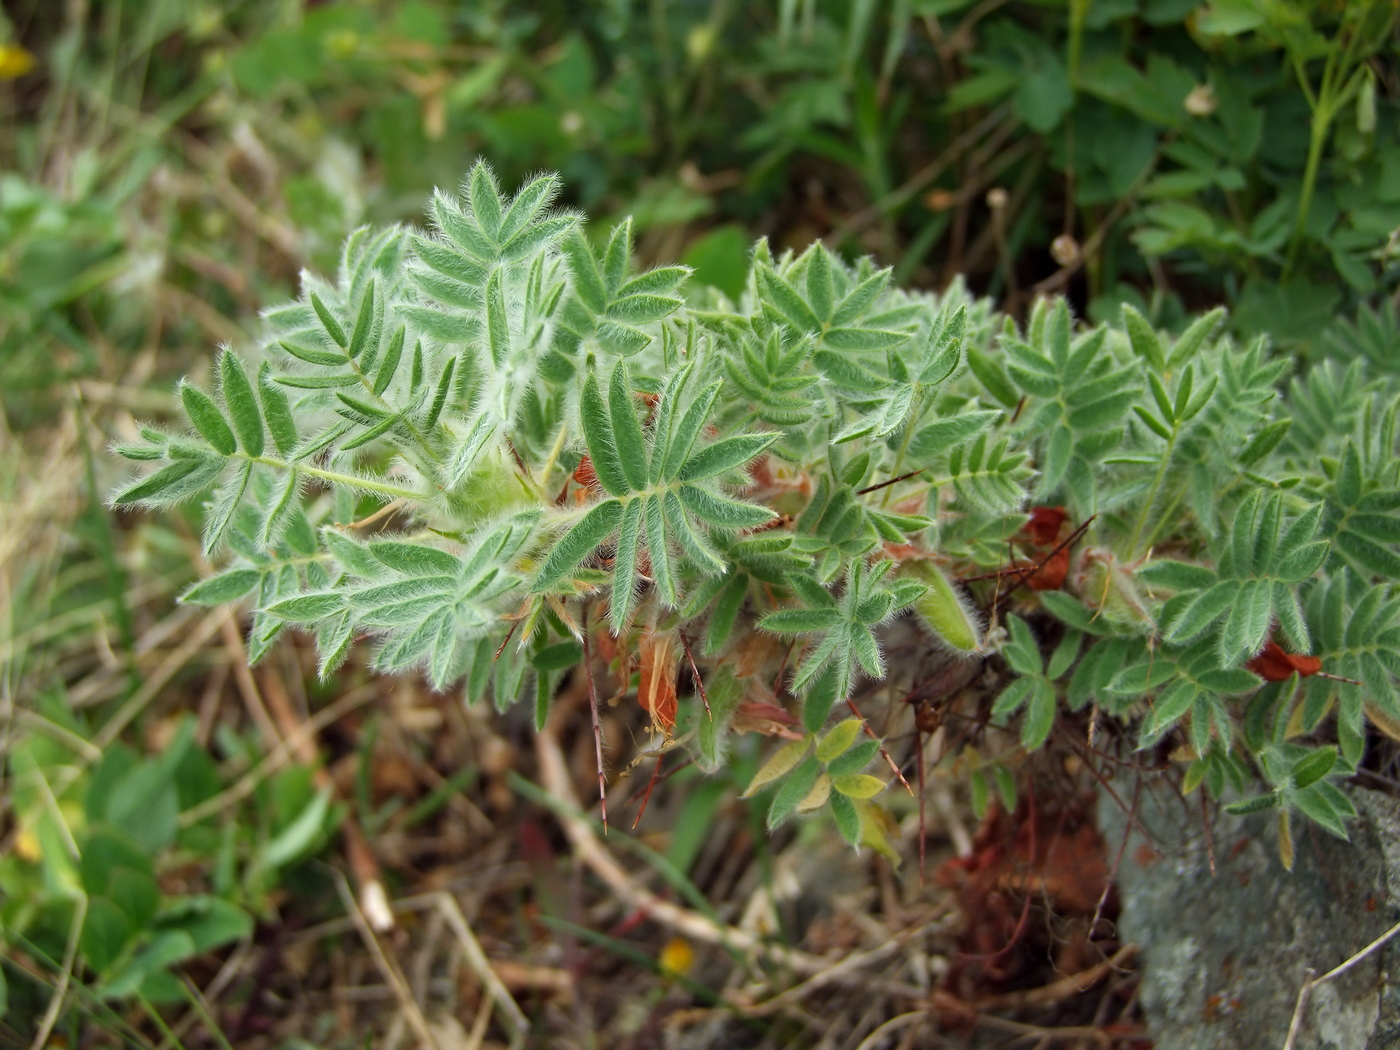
[{"x": 573, "y": 454}]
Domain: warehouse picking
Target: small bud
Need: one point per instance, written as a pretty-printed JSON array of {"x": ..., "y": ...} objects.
[
  {"x": 939, "y": 200},
  {"x": 997, "y": 198},
  {"x": 1201, "y": 101},
  {"x": 1366, "y": 104},
  {"x": 944, "y": 611},
  {"x": 700, "y": 42},
  {"x": 1064, "y": 249}
]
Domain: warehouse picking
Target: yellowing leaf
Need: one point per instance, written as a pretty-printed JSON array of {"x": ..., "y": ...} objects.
[
  {"x": 782, "y": 762},
  {"x": 15, "y": 61},
  {"x": 816, "y": 798},
  {"x": 838, "y": 741},
  {"x": 876, "y": 826},
  {"x": 858, "y": 785}
]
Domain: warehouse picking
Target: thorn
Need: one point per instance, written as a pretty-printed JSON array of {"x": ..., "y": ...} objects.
[
  {"x": 699, "y": 684},
  {"x": 1026, "y": 572},
  {"x": 883, "y": 752},
  {"x": 655, "y": 771},
  {"x": 893, "y": 481},
  {"x": 505, "y": 642}
]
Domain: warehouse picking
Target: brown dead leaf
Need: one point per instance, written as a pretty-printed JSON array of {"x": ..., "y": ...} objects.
[{"x": 657, "y": 690}]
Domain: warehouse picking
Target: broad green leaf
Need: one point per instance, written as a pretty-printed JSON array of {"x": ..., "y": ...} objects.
[
  {"x": 793, "y": 790},
  {"x": 296, "y": 840}
]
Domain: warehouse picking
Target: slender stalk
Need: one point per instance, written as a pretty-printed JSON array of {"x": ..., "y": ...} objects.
[
  {"x": 1316, "y": 140},
  {"x": 914, "y": 406},
  {"x": 1152, "y": 495},
  {"x": 1341, "y": 78},
  {"x": 1164, "y": 520},
  {"x": 368, "y": 484}
]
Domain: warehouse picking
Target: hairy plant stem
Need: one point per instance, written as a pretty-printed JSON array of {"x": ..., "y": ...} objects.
[
  {"x": 915, "y": 405},
  {"x": 367, "y": 484},
  {"x": 1151, "y": 497}
]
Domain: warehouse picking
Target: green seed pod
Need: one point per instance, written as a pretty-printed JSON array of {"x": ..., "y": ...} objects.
[{"x": 943, "y": 610}]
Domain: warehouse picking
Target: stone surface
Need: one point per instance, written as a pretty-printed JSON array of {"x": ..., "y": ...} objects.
[{"x": 1224, "y": 955}]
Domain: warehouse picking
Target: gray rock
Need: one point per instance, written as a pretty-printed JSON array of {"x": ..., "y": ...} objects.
[{"x": 1224, "y": 955}]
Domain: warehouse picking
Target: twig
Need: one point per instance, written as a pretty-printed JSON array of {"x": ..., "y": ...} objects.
[
  {"x": 646, "y": 797},
  {"x": 892, "y": 481},
  {"x": 160, "y": 676},
  {"x": 386, "y": 511},
  {"x": 1310, "y": 982},
  {"x": 1060, "y": 277},
  {"x": 874, "y": 212},
  {"x": 833, "y": 974},
  {"x": 883, "y": 753},
  {"x": 923, "y": 783},
  {"x": 554, "y": 777},
  {"x": 1025, "y": 573},
  {"x": 248, "y": 686},
  {"x": 1118, "y": 860},
  {"x": 393, "y": 977},
  {"x": 891, "y": 1026},
  {"x": 1067, "y": 986},
  {"x": 476, "y": 958},
  {"x": 363, "y": 864},
  {"x": 279, "y": 757},
  {"x": 1024, "y": 920}
]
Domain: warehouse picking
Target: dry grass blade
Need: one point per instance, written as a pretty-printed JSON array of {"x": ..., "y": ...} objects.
[
  {"x": 168, "y": 669},
  {"x": 1295, "y": 1026},
  {"x": 481, "y": 966},
  {"x": 65, "y": 976},
  {"x": 1066, "y": 987},
  {"x": 554, "y": 776},
  {"x": 278, "y": 757},
  {"x": 391, "y": 973}
]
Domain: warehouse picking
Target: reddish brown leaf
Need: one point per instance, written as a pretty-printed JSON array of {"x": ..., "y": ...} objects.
[
  {"x": 755, "y": 716},
  {"x": 585, "y": 475},
  {"x": 1276, "y": 664},
  {"x": 1044, "y": 527},
  {"x": 1050, "y": 576}
]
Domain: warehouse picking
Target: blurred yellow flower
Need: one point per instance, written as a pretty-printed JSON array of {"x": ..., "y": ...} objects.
[
  {"x": 15, "y": 61},
  {"x": 27, "y": 846},
  {"x": 677, "y": 957}
]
